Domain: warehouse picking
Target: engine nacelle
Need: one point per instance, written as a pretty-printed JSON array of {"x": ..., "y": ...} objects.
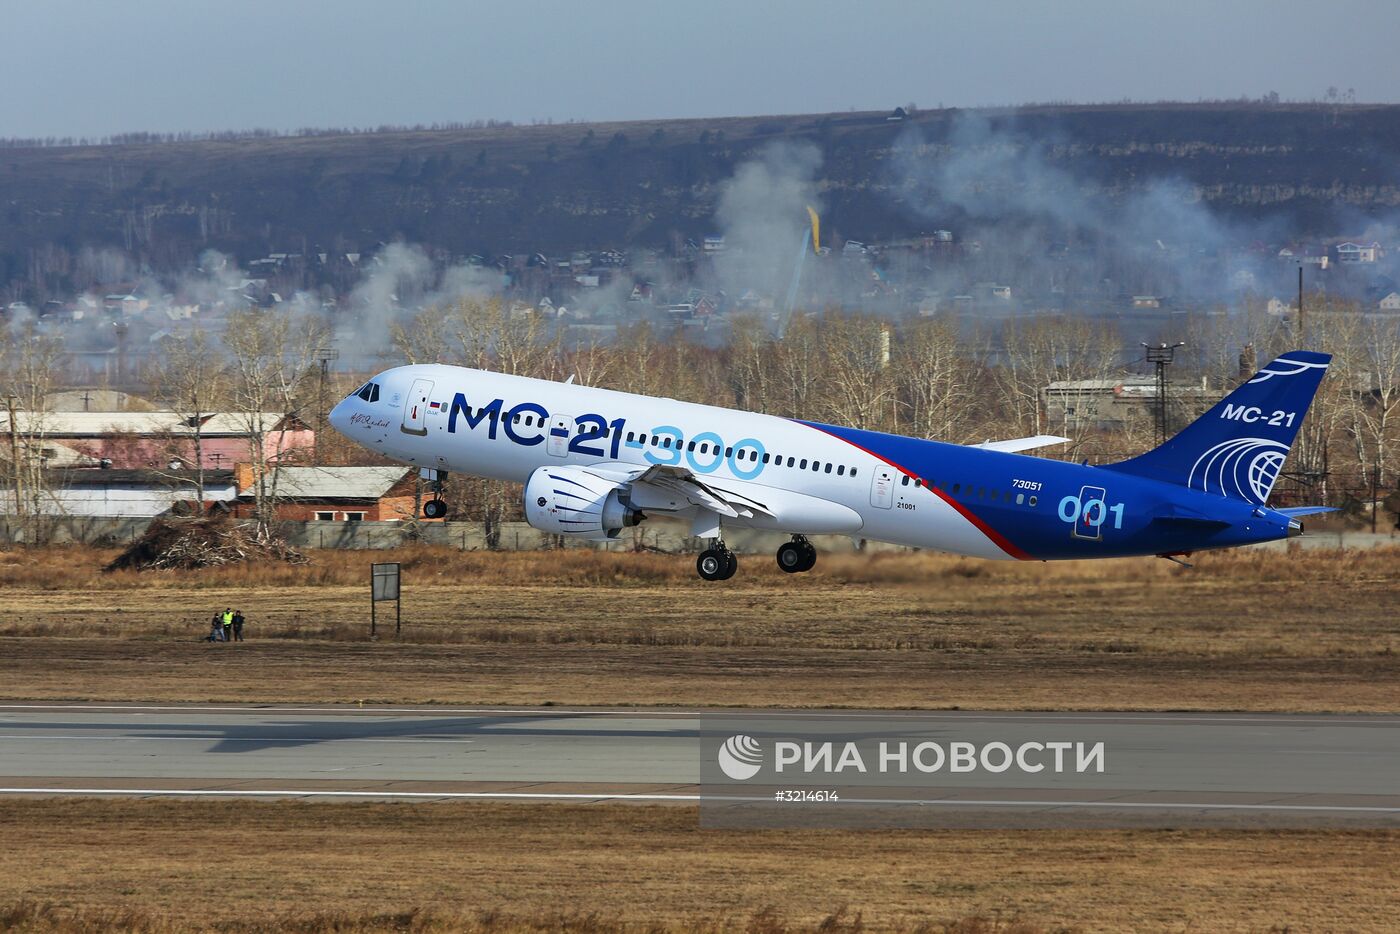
[{"x": 571, "y": 501}]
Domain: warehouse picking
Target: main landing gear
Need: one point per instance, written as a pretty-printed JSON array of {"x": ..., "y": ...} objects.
[
  {"x": 797, "y": 555},
  {"x": 436, "y": 507},
  {"x": 717, "y": 563}
]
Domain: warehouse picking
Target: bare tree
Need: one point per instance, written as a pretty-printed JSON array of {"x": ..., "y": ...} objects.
[
  {"x": 31, "y": 363},
  {"x": 188, "y": 377},
  {"x": 271, "y": 354},
  {"x": 936, "y": 386}
]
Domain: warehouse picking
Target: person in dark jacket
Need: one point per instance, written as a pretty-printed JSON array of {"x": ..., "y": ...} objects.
[{"x": 237, "y": 625}]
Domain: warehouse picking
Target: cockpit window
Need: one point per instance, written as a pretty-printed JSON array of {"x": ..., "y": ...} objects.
[
  {"x": 374, "y": 392},
  {"x": 359, "y": 392},
  {"x": 368, "y": 392}
]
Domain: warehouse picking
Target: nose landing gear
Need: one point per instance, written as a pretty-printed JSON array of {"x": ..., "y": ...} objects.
[
  {"x": 797, "y": 555},
  {"x": 436, "y": 507}
]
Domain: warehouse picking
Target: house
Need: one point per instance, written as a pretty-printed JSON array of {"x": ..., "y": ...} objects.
[
  {"x": 1112, "y": 403},
  {"x": 898, "y": 114},
  {"x": 333, "y": 494},
  {"x": 1351, "y": 253},
  {"x": 134, "y": 440},
  {"x": 1390, "y": 303},
  {"x": 125, "y": 303},
  {"x": 1147, "y": 301},
  {"x": 1278, "y": 307},
  {"x": 115, "y": 493}
]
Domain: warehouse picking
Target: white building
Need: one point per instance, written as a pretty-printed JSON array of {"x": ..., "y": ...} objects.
[
  {"x": 96, "y": 493},
  {"x": 1358, "y": 252},
  {"x": 1391, "y": 302}
]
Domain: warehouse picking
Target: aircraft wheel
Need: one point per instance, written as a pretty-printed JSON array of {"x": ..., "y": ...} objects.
[
  {"x": 809, "y": 560},
  {"x": 733, "y": 565},
  {"x": 792, "y": 557},
  {"x": 713, "y": 564},
  {"x": 434, "y": 509}
]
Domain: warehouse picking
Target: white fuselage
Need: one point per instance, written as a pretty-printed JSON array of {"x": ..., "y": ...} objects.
[{"x": 485, "y": 424}]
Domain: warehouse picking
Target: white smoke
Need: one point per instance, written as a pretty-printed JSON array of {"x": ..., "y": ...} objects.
[{"x": 762, "y": 213}]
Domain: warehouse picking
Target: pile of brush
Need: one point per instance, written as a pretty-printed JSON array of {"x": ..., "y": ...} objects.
[{"x": 202, "y": 542}]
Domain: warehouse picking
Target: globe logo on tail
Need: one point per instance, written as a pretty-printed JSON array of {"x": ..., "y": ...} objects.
[
  {"x": 740, "y": 757},
  {"x": 1242, "y": 467}
]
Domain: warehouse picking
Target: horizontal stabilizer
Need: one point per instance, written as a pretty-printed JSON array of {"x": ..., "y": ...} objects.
[
  {"x": 1295, "y": 511},
  {"x": 1021, "y": 444}
]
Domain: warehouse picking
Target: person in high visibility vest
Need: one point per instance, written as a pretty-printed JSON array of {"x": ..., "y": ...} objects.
[{"x": 227, "y": 620}]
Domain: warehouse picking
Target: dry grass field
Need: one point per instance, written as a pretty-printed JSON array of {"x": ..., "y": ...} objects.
[
  {"x": 1308, "y": 630},
  {"x": 1254, "y": 630},
  {"x": 238, "y": 866}
]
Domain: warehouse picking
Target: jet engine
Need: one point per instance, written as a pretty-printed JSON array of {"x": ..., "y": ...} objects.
[{"x": 571, "y": 501}]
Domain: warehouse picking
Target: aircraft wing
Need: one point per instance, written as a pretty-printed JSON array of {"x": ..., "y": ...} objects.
[
  {"x": 663, "y": 488},
  {"x": 1021, "y": 444}
]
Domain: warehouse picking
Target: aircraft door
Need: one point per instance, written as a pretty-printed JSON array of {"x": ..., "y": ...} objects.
[
  {"x": 558, "y": 441},
  {"x": 415, "y": 408},
  {"x": 1093, "y": 510},
  {"x": 882, "y": 487}
]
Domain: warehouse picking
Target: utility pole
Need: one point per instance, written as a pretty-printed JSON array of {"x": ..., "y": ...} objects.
[
  {"x": 1161, "y": 355},
  {"x": 1302, "y": 332},
  {"x": 325, "y": 356}
]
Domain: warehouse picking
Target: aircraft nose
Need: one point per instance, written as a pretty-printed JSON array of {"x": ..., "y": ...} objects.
[{"x": 339, "y": 417}]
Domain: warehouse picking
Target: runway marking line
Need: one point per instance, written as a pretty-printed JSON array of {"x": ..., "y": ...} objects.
[
  {"x": 1126, "y": 716},
  {"x": 575, "y": 796}
]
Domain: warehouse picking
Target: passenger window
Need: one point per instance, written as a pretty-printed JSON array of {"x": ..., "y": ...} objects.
[
  {"x": 803, "y": 464},
  {"x": 691, "y": 447},
  {"x": 1032, "y": 501},
  {"x": 728, "y": 452},
  {"x": 956, "y": 486},
  {"x": 853, "y": 471},
  {"x": 828, "y": 468},
  {"x": 1020, "y": 498},
  {"x": 904, "y": 480},
  {"x": 765, "y": 457},
  {"x": 841, "y": 471},
  {"x": 791, "y": 460},
  {"x": 918, "y": 481},
  {"x": 816, "y": 465}
]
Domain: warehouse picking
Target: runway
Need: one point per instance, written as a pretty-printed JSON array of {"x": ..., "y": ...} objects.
[{"x": 1339, "y": 765}]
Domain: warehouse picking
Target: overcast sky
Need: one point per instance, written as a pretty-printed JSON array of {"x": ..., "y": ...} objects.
[{"x": 94, "y": 67}]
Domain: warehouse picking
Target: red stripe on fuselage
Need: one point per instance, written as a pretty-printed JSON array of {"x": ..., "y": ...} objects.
[{"x": 996, "y": 537}]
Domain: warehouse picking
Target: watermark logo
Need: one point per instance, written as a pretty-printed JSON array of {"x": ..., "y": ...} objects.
[{"x": 740, "y": 757}]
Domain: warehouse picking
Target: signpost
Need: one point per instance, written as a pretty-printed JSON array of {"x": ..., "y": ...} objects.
[{"x": 384, "y": 585}]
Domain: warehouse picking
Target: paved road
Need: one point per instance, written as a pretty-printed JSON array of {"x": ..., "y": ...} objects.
[{"x": 1275, "y": 763}]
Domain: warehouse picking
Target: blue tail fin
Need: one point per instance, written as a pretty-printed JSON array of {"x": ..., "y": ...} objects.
[{"x": 1237, "y": 449}]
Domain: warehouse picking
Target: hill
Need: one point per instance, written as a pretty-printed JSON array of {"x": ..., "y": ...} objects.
[{"x": 1306, "y": 169}]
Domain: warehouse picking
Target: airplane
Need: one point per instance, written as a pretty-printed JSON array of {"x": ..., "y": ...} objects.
[{"x": 595, "y": 462}]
